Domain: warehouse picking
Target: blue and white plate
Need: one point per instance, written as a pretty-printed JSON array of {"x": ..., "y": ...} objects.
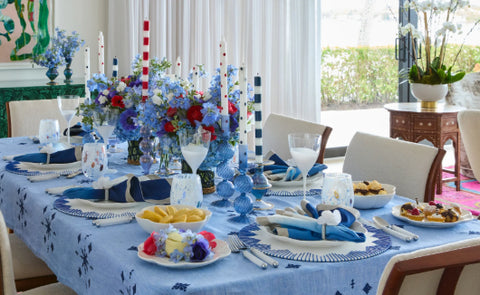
[
  {"x": 293, "y": 193},
  {"x": 97, "y": 210},
  {"x": 376, "y": 243}
]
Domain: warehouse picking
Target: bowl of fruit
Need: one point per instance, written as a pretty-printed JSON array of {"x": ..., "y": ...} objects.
[{"x": 155, "y": 218}]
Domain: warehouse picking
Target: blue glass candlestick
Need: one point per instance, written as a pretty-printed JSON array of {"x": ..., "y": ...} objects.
[
  {"x": 243, "y": 184},
  {"x": 146, "y": 146},
  {"x": 260, "y": 188},
  {"x": 225, "y": 170}
]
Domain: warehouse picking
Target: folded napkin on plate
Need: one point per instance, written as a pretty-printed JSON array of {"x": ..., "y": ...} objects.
[
  {"x": 280, "y": 170},
  {"x": 309, "y": 229},
  {"x": 127, "y": 188},
  {"x": 48, "y": 157},
  {"x": 75, "y": 130}
]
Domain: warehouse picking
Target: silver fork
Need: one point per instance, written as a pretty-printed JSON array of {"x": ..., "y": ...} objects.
[
  {"x": 242, "y": 246},
  {"x": 233, "y": 246}
]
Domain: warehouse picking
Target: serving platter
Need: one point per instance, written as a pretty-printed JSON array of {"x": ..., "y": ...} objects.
[{"x": 464, "y": 217}]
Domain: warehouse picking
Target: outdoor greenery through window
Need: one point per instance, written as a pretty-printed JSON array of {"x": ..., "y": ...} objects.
[{"x": 359, "y": 69}]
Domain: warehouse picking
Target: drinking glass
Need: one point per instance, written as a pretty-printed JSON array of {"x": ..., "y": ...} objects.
[
  {"x": 304, "y": 148},
  {"x": 105, "y": 123},
  {"x": 194, "y": 145},
  {"x": 68, "y": 107},
  {"x": 48, "y": 131},
  {"x": 186, "y": 190},
  {"x": 94, "y": 160},
  {"x": 337, "y": 189}
]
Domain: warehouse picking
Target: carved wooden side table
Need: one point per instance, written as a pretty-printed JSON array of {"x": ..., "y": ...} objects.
[{"x": 411, "y": 122}]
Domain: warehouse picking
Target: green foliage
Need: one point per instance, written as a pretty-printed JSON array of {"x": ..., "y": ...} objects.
[{"x": 363, "y": 76}]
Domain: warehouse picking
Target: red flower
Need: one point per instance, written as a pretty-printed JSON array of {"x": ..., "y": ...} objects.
[
  {"x": 169, "y": 127},
  {"x": 149, "y": 245},
  {"x": 209, "y": 237},
  {"x": 171, "y": 111},
  {"x": 194, "y": 114},
  {"x": 117, "y": 101},
  {"x": 212, "y": 132},
  {"x": 232, "y": 109}
]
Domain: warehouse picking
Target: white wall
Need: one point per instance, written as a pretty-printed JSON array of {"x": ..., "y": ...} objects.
[{"x": 87, "y": 17}]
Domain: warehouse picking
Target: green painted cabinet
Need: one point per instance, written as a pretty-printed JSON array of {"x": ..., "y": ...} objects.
[{"x": 33, "y": 89}]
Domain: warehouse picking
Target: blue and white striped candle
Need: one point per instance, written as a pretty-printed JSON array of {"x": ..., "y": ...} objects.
[
  {"x": 257, "y": 82},
  {"x": 115, "y": 67}
]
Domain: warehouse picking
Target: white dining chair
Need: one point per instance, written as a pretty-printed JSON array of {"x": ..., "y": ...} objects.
[
  {"x": 469, "y": 124},
  {"x": 277, "y": 127},
  {"x": 10, "y": 267},
  {"x": 447, "y": 269},
  {"x": 23, "y": 116},
  {"x": 410, "y": 167}
]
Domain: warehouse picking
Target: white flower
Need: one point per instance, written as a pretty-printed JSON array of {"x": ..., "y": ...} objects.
[
  {"x": 121, "y": 86},
  {"x": 157, "y": 100},
  {"x": 102, "y": 99},
  {"x": 157, "y": 91},
  {"x": 105, "y": 92}
]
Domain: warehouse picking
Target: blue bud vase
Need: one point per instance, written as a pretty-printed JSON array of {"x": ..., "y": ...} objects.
[
  {"x": 68, "y": 72},
  {"x": 52, "y": 74}
]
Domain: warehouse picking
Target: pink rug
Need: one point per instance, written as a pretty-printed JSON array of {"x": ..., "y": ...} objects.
[{"x": 467, "y": 198}]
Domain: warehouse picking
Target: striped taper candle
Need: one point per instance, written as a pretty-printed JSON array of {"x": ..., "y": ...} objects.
[
  {"x": 115, "y": 67},
  {"x": 146, "y": 48},
  {"x": 257, "y": 82},
  {"x": 101, "y": 54}
]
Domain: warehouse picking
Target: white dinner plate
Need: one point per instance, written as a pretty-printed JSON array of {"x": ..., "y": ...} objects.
[
  {"x": 464, "y": 217},
  {"x": 31, "y": 169},
  {"x": 93, "y": 209},
  {"x": 104, "y": 204},
  {"x": 220, "y": 252}
]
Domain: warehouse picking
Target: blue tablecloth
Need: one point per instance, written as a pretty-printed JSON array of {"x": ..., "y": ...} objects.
[{"x": 104, "y": 260}]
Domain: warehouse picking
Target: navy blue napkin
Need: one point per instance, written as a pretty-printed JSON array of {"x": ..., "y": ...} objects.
[
  {"x": 65, "y": 156},
  {"x": 332, "y": 232},
  {"x": 75, "y": 130},
  {"x": 280, "y": 166},
  {"x": 129, "y": 190}
]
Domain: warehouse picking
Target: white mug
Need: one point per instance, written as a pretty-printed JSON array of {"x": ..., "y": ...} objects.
[
  {"x": 186, "y": 190},
  {"x": 337, "y": 189},
  {"x": 94, "y": 160},
  {"x": 48, "y": 131}
]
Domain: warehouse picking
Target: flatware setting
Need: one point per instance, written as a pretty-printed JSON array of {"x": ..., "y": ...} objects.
[
  {"x": 254, "y": 255},
  {"x": 392, "y": 230}
]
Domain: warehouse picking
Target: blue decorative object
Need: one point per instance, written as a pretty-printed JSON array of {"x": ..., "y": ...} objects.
[
  {"x": 243, "y": 184},
  {"x": 146, "y": 146},
  {"x": 52, "y": 74},
  {"x": 68, "y": 72},
  {"x": 260, "y": 188},
  {"x": 226, "y": 171}
]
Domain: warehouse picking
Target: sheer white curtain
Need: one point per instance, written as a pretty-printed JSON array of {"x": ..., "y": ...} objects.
[{"x": 278, "y": 39}]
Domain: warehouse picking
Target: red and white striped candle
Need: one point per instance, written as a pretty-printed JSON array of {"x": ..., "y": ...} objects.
[
  {"x": 223, "y": 77},
  {"x": 145, "y": 62},
  {"x": 101, "y": 54}
]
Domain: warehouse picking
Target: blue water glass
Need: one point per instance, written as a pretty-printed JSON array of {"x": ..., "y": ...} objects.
[
  {"x": 243, "y": 204},
  {"x": 225, "y": 188}
]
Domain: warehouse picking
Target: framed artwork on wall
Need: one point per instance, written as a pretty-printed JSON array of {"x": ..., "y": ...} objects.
[{"x": 25, "y": 30}]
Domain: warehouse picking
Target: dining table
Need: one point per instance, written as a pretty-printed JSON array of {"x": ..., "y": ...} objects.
[{"x": 104, "y": 260}]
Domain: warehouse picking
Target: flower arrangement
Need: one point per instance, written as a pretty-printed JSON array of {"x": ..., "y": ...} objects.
[
  {"x": 176, "y": 106},
  {"x": 180, "y": 245},
  {"x": 122, "y": 96},
  {"x": 436, "y": 19},
  {"x": 61, "y": 47}
]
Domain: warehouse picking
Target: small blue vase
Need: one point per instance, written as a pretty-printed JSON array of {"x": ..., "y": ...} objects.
[
  {"x": 52, "y": 74},
  {"x": 68, "y": 72}
]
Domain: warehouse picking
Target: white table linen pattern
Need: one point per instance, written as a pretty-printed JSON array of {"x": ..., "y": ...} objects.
[{"x": 103, "y": 260}]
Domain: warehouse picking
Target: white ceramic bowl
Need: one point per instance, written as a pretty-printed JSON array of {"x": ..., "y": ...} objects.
[
  {"x": 150, "y": 226},
  {"x": 374, "y": 201}
]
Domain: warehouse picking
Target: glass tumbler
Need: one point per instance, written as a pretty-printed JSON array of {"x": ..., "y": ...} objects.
[
  {"x": 94, "y": 160},
  {"x": 337, "y": 189},
  {"x": 48, "y": 131},
  {"x": 186, "y": 190}
]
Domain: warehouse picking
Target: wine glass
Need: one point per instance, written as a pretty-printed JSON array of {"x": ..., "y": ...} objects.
[
  {"x": 105, "y": 123},
  {"x": 68, "y": 107},
  {"x": 194, "y": 145},
  {"x": 304, "y": 148}
]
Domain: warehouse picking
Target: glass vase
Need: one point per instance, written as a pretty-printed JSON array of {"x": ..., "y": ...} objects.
[
  {"x": 134, "y": 152},
  {"x": 52, "y": 74},
  {"x": 68, "y": 72},
  {"x": 207, "y": 177}
]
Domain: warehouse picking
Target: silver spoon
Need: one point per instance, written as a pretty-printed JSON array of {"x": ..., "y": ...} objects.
[{"x": 386, "y": 227}]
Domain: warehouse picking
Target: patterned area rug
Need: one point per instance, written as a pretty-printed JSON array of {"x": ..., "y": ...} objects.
[{"x": 468, "y": 197}]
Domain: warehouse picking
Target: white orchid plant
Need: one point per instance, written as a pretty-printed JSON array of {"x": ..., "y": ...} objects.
[{"x": 435, "y": 27}]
